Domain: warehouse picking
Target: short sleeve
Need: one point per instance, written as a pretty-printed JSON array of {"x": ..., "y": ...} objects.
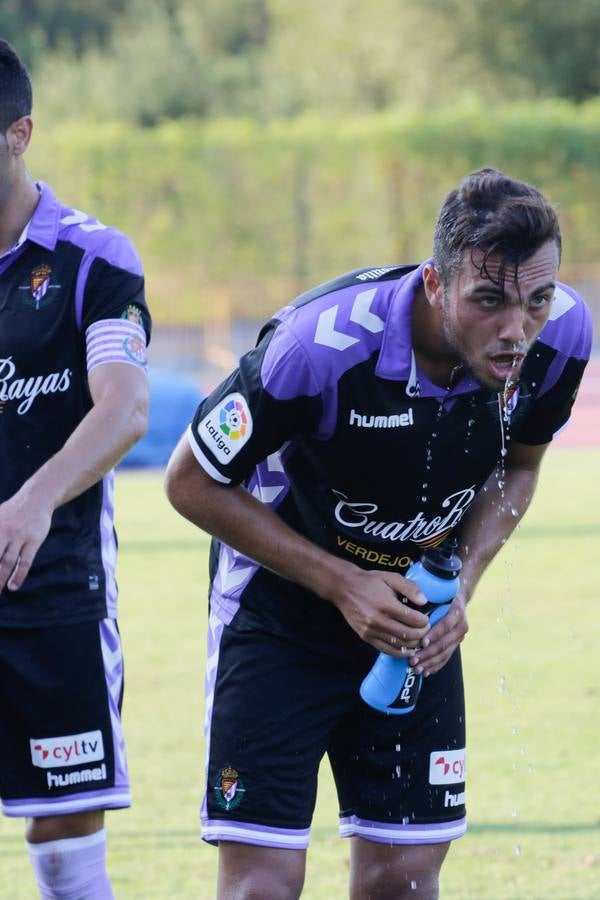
[
  {"x": 565, "y": 344},
  {"x": 113, "y": 284},
  {"x": 247, "y": 418}
]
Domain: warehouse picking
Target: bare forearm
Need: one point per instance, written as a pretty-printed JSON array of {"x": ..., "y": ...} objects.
[
  {"x": 498, "y": 509},
  {"x": 238, "y": 519},
  {"x": 103, "y": 436}
]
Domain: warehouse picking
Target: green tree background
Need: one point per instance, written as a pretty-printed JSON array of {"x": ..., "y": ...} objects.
[{"x": 252, "y": 147}]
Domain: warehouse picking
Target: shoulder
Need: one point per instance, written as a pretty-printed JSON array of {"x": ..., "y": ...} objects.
[
  {"x": 569, "y": 326},
  {"x": 98, "y": 241},
  {"x": 334, "y": 326}
]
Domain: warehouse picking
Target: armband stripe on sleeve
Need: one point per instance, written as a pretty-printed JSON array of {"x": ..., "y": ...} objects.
[
  {"x": 204, "y": 462},
  {"x": 115, "y": 340}
]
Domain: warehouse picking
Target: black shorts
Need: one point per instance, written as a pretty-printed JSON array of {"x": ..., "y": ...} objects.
[
  {"x": 275, "y": 706},
  {"x": 61, "y": 744}
]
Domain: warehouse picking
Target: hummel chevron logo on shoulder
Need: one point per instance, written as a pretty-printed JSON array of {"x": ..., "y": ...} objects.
[{"x": 326, "y": 333}]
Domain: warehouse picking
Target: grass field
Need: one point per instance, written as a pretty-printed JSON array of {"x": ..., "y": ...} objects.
[{"x": 532, "y": 666}]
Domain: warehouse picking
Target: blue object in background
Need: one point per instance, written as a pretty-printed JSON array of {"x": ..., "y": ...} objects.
[{"x": 173, "y": 402}]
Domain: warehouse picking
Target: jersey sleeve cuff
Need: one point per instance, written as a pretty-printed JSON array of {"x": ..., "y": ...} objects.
[{"x": 203, "y": 460}]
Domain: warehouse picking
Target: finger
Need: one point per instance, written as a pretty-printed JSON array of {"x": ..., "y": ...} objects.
[
  {"x": 21, "y": 569},
  {"x": 407, "y": 648},
  {"x": 395, "y": 650},
  {"x": 7, "y": 565},
  {"x": 436, "y": 656},
  {"x": 404, "y": 587},
  {"x": 406, "y": 615}
]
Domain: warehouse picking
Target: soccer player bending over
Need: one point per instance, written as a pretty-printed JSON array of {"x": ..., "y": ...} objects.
[{"x": 377, "y": 415}]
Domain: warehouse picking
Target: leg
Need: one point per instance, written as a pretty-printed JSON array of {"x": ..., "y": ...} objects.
[
  {"x": 247, "y": 872},
  {"x": 56, "y": 828},
  {"x": 68, "y": 855},
  {"x": 395, "y": 872}
]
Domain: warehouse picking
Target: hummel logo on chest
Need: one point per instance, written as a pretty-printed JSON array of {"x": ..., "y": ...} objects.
[{"x": 403, "y": 420}]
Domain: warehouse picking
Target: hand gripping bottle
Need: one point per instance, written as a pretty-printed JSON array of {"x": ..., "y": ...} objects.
[{"x": 392, "y": 686}]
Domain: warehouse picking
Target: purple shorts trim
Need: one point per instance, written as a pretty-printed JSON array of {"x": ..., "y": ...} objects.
[
  {"x": 214, "y": 830},
  {"x": 110, "y": 798},
  {"x": 386, "y": 833}
]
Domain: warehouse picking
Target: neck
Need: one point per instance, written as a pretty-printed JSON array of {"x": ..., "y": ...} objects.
[
  {"x": 433, "y": 354},
  {"x": 17, "y": 205}
]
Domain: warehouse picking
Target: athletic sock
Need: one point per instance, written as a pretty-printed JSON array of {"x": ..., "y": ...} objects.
[{"x": 72, "y": 868}]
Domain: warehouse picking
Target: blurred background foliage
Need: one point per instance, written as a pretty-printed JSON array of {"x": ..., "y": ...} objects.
[{"x": 253, "y": 147}]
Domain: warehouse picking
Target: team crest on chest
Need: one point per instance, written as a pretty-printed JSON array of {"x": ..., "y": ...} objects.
[
  {"x": 229, "y": 788},
  {"x": 40, "y": 288}
]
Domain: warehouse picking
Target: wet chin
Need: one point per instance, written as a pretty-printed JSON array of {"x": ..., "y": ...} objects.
[{"x": 485, "y": 378}]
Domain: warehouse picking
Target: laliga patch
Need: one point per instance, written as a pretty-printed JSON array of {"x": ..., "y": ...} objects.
[
  {"x": 447, "y": 766},
  {"x": 226, "y": 428},
  {"x": 69, "y": 750},
  {"x": 229, "y": 788}
]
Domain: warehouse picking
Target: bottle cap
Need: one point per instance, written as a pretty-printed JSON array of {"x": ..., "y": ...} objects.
[{"x": 442, "y": 560}]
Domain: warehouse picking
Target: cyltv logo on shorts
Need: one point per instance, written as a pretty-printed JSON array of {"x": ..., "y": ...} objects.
[
  {"x": 447, "y": 766},
  {"x": 69, "y": 750}
]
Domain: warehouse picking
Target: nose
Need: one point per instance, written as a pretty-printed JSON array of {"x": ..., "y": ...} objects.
[{"x": 512, "y": 324}]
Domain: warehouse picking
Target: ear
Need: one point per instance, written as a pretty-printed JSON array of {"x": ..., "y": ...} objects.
[
  {"x": 432, "y": 284},
  {"x": 18, "y": 135}
]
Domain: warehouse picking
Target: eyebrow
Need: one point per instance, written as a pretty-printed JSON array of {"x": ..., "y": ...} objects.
[{"x": 497, "y": 290}]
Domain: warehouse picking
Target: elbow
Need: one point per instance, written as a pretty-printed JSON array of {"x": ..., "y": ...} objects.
[{"x": 175, "y": 487}]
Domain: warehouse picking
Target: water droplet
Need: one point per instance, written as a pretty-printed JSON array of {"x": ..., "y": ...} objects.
[
  {"x": 405, "y": 820},
  {"x": 398, "y": 771},
  {"x": 513, "y": 813},
  {"x": 413, "y": 885},
  {"x": 503, "y": 452},
  {"x": 530, "y": 769},
  {"x": 514, "y": 730},
  {"x": 423, "y": 499},
  {"x": 518, "y": 850},
  {"x": 398, "y": 747},
  {"x": 471, "y": 422},
  {"x": 514, "y": 512}
]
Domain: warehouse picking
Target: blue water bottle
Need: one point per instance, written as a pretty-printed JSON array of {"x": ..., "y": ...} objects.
[{"x": 392, "y": 686}]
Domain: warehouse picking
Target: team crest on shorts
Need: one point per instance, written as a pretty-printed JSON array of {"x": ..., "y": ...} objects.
[
  {"x": 229, "y": 788},
  {"x": 38, "y": 287}
]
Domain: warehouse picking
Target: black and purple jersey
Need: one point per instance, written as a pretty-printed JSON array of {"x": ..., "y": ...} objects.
[
  {"x": 71, "y": 298},
  {"x": 329, "y": 421}
]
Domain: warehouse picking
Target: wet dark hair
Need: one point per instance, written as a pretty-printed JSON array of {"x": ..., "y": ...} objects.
[
  {"x": 504, "y": 218},
  {"x": 15, "y": 88}
]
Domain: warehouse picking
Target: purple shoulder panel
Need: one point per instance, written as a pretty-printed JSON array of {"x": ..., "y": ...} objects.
[
  {"x": 569, "y": 328},
  {"x": 320, "y": 340},
  {"x": 100, "y": 241},
  {"x": 568, "y": 331}
]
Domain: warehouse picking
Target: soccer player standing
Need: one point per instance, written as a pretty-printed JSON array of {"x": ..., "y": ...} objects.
[
  {"x": 73, "y": 399},
  {"x": 377, "y": 415}
]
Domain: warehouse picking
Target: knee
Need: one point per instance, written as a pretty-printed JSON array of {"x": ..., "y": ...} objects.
[
  {"x": 264, "y": 886},
  {"x": 380, "y": 883},
  {"x": 409, "y": 874},
  {"x": 255, "y": 873}
]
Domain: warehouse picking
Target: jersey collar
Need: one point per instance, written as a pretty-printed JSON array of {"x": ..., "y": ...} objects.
[
  {"x": 43, "y": 226},
  {"x": 396, "y": 358}
]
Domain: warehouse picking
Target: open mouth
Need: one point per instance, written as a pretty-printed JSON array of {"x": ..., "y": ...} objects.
[{"x": 506, "y": 366}]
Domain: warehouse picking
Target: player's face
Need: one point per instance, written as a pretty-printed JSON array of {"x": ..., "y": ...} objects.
[{"x": 492, "y": 328}]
